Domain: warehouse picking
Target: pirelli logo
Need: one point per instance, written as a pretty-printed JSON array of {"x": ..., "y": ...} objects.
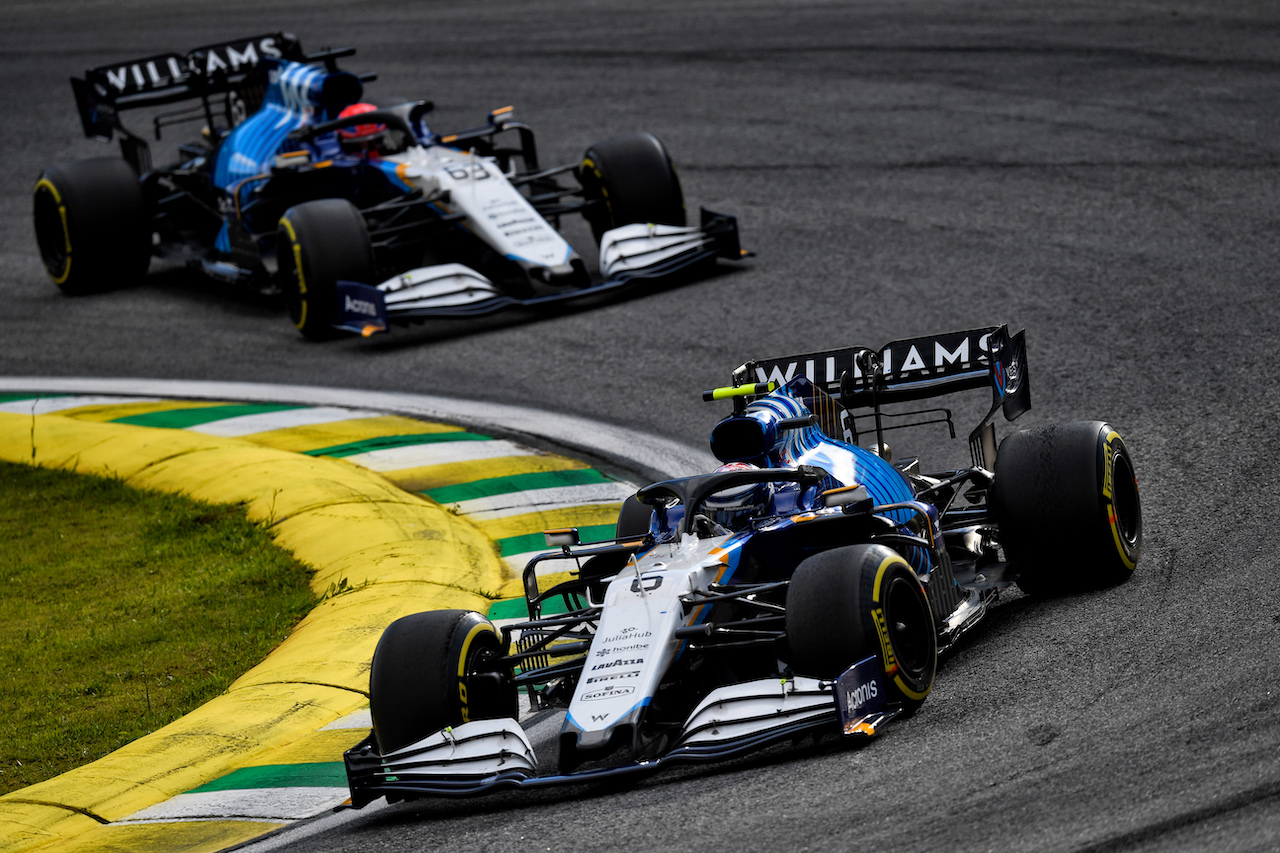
[
  {"x": 882, "y": 630},
  {"x": 1107, "y": 464}
]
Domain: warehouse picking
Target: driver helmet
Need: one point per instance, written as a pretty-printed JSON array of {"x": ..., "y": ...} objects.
[
  {"x": 735, "y": 506},
  {"x": 359, "y": 138}
]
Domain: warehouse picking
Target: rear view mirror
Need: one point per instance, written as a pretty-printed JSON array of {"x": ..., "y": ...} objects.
[{"x": 851, "y": 498}]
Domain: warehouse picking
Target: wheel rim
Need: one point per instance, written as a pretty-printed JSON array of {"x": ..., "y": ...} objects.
[
  {"x": 909, "y": 627},
  {"x": 1124, "y": 500}
]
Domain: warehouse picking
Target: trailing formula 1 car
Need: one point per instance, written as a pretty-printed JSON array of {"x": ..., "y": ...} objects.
[
  {"x": 361, "y": 216},
  {"x": 807, "y": 586}
]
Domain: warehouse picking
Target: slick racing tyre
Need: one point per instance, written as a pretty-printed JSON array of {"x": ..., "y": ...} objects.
[
  {"x": 1066, "y": 501},
  {"x": 91, "y": 225},
  {"x": 429, "y": 672},
  {"x": 318, "y": 244},
  {"x": 847, "y": 604},
  {"x": 632, "y": 180}
]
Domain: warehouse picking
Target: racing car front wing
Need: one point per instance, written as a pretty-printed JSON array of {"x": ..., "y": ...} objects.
[
  {"x": 628, "y": 254},
  {"x": 489, "y": 755}
]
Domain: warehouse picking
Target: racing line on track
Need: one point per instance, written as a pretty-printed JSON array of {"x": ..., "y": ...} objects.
[{"x": 481, "y": 491}]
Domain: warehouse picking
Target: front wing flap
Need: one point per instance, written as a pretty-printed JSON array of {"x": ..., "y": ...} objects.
[
  {"x": 628, "y": 254},
  {"x": 488, "y": 755}
]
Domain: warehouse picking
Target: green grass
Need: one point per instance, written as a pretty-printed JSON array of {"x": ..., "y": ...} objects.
[{"x": 122, "y": 610}]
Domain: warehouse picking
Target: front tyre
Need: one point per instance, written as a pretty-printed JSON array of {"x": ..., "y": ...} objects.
[
  {"x": 1066, "y": 501},
  {"x": 847, "y": 604},
  {"x": 318, "y": 244},
  {"x": 631, "y": 179},
  {"x": 430, "y": 671},
  {"x": 91, "y": 225}
]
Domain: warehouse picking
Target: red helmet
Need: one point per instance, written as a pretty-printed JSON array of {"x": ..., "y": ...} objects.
[{"x": 361, "y": 137}]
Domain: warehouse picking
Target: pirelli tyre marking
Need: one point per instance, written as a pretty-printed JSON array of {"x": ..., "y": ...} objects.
[
  {"x": 891, "y": 667},
  {"x": 1109, "y": 455},
  {"x": 297, "y": 266},
  {"x": 464, "y": 654}
]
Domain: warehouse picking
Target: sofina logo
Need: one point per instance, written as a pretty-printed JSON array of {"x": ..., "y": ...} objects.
[{"x": 607, "y": 693}]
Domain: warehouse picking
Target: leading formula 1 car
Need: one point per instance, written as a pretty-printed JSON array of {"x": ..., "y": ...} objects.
[
  {"x": 361, "y": 216},
  {"x": 807, "y": 586}
]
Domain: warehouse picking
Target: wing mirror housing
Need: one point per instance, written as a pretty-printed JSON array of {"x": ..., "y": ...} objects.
[
  {"x": 563, "y": 537},
  {"x": 850, "y": 499}
]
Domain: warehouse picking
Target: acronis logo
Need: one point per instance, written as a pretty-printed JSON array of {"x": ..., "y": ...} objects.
[{"x": 359, "y": 306}]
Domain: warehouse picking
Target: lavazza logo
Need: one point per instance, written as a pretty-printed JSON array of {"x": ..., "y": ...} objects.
[{"x": 614, "y": 663}]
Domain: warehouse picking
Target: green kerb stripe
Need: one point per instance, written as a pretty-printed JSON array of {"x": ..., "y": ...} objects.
[
  {"x": 330, "y": 774},
  {"x": 185, "y": 418},
  {"x": 386, "y": 442},
  {"x": 27, "y": 395},
  {"x": 515, "y": 483},
  {"x": 514, "y": 608},
  {"x": 518, "y": 608},
  {"x": 537, "y": 542}
]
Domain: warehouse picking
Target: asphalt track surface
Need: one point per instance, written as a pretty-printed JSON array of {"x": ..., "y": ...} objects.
[{"x": 1104, "y": 174}]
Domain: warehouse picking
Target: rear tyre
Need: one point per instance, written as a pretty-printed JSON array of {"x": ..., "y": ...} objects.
[
  {"x": 847, "y": 604},
  {"x": 1066, "y": 501},
  {"x": 91, "y": 225},
  {"x": 633, "y": 180},
  {"x": 429, "y": 672},
  {"x": 318, "y": 244}
]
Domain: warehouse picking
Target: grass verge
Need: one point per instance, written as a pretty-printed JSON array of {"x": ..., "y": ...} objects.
[{"x": 122, "y": 610}]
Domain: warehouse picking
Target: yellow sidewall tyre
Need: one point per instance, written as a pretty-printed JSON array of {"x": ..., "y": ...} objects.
[
  {"x": 428, "y": 673},
  {"x": 92, "y": 225},
  {"x": 1067, "y": 505},
  {"x": 847, "y": 604},
  {"x": 318, "y": 244},
  {"x": 632, "y": 179}
]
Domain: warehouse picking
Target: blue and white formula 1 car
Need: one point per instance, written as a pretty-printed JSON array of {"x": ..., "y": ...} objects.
[
  {"x": 808, "y": 586},
  {"x": 361, "y": 216}
]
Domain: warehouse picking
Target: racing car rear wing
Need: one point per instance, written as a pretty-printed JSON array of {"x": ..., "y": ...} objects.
[
  {"x": 225, "y": 69},
  {"x": 914, "y": 369}
]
